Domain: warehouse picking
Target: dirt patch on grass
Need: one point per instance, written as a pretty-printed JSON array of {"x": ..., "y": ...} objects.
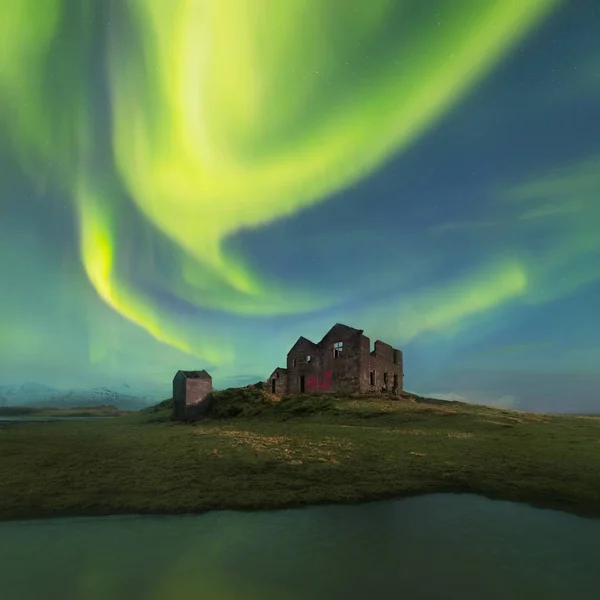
[
  {"x": 500, "y": 423},
  {"x": 269, "y": 397},
  {"x": 435, "y": 432},
  {"x": 424, "y": 432},
  {"x": 360, "y": 406},
  {"x": 538, "y": 418},
  {"x": 281, "y": 447},
  {"x": 370, "y": 406},
  {"x": 504, "y": 416},
  {"x": 454, "y": 434},
  {"x": 430, "y": 410}
]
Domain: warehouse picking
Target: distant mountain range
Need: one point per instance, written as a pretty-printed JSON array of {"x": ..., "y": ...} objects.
[{"x": 37, "y": 394}]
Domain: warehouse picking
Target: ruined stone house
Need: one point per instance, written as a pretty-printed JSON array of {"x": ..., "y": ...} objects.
[
  {"x": 341, "y": 362},
  {"x": 192, "y": 393}
]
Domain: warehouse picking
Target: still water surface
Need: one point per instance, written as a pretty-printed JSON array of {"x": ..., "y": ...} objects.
[{"x": 441, "y": 546}]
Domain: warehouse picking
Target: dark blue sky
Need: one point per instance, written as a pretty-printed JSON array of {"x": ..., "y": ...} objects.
[{"x": 198, "y": 190}]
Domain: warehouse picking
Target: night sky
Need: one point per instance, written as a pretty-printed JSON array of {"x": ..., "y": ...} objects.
[{"x": 195, "y": 184}]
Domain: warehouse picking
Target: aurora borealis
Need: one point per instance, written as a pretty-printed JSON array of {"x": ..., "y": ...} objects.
[{"x": 194, "y": 184}]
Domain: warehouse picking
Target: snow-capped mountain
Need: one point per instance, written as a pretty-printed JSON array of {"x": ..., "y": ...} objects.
[{"x": 36, "y": 394}]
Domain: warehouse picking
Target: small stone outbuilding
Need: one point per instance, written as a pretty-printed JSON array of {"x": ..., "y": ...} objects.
[
  {"x": 277, "y": 382},
  {"x": 192, "y": 394}
]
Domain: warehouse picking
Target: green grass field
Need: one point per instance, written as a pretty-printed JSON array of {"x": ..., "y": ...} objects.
[
  {"x": 254, "y": 452},
  {"x": 83, "y": 411}
]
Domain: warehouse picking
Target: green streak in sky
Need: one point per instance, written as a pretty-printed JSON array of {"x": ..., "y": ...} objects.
[
  {"x": 254, "y": 110},
  {"x": 230, "y": 114}
]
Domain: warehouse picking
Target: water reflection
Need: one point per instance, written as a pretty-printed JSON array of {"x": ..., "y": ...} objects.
[{"x": 436, "y": 546}]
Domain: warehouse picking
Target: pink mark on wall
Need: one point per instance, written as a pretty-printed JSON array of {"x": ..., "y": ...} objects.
[{"x": 321, "y": 381}]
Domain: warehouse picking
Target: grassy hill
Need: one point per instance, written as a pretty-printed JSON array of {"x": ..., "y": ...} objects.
[{"x": 256, "y": 452}]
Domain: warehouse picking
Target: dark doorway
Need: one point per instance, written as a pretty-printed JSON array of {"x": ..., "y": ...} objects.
[
  {"x": 272, "y": 386},
  {"x": 395, "y": 381},
  {"x": 302, "y": 384}
]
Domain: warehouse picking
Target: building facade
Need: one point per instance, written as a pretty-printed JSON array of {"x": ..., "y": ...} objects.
[
  {"x": 191, "y": 393},
  {"x": 277, "y": 382},
  {"x": 341, "y": 362}
]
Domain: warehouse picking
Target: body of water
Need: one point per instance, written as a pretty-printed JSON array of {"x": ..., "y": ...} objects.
[{"x": 428, "y": 547}]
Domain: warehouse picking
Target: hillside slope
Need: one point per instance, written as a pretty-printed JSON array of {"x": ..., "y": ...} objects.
[{"x": 257, "y": 452}]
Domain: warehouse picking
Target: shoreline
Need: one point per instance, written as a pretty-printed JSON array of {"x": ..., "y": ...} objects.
[{"x": 539, "y": 504}]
